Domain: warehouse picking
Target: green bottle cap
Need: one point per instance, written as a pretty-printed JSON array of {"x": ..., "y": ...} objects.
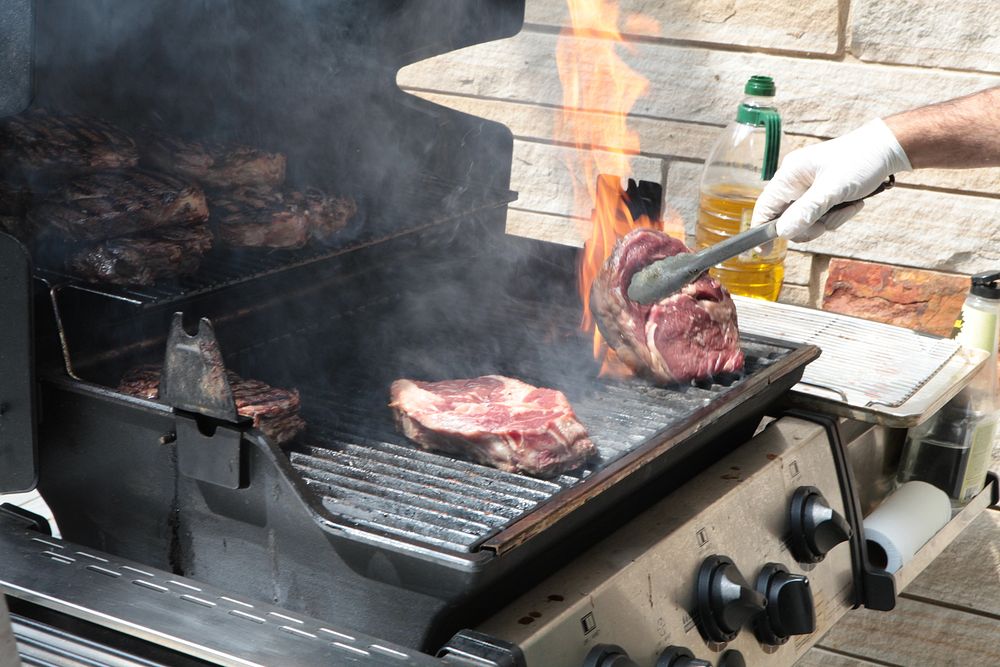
[{"x": 761, "y": 86}]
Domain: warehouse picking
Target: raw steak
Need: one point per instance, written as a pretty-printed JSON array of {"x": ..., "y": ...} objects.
[
  {"x": 212, "y": 164},
  {"x": 494, "y": 420},
  {"x": 39, "y": 144},
  {"x": 686, "y": 336},
  {"x": 275, "y": 412},
  {"x": 259, "y": 218},
  {"x": 142, "y": 260},
  {"x": 110, "y": 204}
]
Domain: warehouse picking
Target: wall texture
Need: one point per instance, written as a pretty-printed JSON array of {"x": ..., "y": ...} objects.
[{"x": 837, "y": 64}]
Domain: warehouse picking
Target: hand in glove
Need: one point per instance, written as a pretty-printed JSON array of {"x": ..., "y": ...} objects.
[{"x": 823, "y": 175}]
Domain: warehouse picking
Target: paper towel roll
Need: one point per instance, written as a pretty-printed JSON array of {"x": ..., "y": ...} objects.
[{"x": 904, "y": 522}]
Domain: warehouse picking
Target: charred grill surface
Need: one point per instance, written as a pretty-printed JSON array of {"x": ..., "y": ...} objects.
[
  {"x": 144, "y": 259},
  {"x": 39, "y": 143},
  {"x": 112, "y": 204}
]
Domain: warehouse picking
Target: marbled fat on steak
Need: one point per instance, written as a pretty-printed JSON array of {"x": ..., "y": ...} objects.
[
  {"x": 494, "y": 420},
  {"x": 686, "y": 336}
]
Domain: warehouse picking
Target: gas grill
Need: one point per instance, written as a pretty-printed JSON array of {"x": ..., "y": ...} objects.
[{"x": 350, "y": 542}]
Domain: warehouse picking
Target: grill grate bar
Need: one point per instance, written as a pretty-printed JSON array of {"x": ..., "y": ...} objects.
[
  {"x": 430, "y": 493},
  {"x": 866, "y": 363}
]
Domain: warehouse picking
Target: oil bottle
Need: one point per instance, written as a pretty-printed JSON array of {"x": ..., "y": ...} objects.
[
  {"x": 952, "y": 449},
  {"x": 743, "y": 159}
]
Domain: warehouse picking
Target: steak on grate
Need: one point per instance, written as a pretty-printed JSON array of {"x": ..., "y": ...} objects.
[
  {"x": 212, "y": 164},
  {"x": 110, "y": 204},
  {"x": 494, "y": 420},
  {"x": 686, "y": 336},
  {"x": 259, "y": 218},
  {"x": 38, "y": 143},
  {"x": 142, "y": 260},
  {"x": 275, "y": 412},
  {"x": 327, "y": 214}
]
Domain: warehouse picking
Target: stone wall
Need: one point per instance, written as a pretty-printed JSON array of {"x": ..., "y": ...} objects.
[{"x": 837, "y": 64}]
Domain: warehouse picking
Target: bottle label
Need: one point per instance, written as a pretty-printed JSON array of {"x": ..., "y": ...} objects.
[
  {"x": 751, "y": 255},
  {"x": 978, "y": 329},
  {"x": 980, "y": 451}
]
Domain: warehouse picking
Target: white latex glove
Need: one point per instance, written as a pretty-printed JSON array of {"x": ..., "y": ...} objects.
[{"x": 823, "y": 175}]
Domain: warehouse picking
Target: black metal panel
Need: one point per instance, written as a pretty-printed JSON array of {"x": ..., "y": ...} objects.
[
  {"x": 16, "y": 52},
  {"x": 18, "y": 456}
]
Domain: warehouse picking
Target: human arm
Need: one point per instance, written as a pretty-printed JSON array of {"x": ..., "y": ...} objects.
[{"x": 964, "y": 132}]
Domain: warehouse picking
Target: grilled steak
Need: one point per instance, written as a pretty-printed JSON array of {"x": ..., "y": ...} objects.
[
  {"x": 327, "y": 214},
  {"x": 212, "y": 164},
  {"x": 494, "y": 420},
  {"x": 110, "y": 204},
  {"x": 686, "y": 336},
  {"x": 275, "y": 412},
  {"x": 259, "y": 218},
  {"x": 142, "y": 260},
  {"x": 38, "y": 143}
]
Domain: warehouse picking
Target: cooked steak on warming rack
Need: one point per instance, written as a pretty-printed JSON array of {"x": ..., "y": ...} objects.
[
  {"x": 38, "y": 143},
  {"x": 494, "y": 420},
  {"x": 212, "y": 164},
  {"x": 142, "y": 260},
  {"x": 686, "y": 336},
  {"x": 110, "y": 204},
  {"x": 259, "y": 218},
  {"x": 327, "y": 214},
  {"x": 275, "y": 412}
]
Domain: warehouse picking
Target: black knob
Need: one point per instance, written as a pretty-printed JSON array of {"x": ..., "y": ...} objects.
[
  {"x": 790, "y": 610},
  {"x": 678, "y": 656},
  {"x": 608, "y": 655},
  {"x": 732, "y": 659},
  {"x": 725, "y": 599},
  {"x": 815, "y": 527}
]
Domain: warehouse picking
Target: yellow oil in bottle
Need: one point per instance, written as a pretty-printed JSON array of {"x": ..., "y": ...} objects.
[{"x": 725, "y": 210}]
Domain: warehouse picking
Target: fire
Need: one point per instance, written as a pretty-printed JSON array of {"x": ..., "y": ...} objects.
[{"x": 599, "y": 91}]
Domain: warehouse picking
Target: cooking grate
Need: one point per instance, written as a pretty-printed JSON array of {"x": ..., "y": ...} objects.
[
  {"x": 865, "y": 363},
  {"x": 224, "y": 267},
  {"x": 364, "y": 471}
]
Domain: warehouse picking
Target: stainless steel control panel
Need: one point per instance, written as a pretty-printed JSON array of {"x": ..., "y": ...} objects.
[{"x": 728, "y": 532}]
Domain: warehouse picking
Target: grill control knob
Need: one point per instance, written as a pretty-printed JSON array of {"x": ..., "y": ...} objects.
[
  {"x": 608, "y": 655},
  {"x": 816, "y": 527},
  {"x": 678, "y": 656},
  {"x": 725, "y": 600},
  {"x": 790, "y": 609},
  {"x": 732, "y": 659}
]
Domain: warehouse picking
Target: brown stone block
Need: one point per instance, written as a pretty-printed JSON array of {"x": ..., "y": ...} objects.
[{"x": 927, "y": 301}]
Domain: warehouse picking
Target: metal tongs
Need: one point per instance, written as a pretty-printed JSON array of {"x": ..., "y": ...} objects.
[{"x": 666, "y": 276}]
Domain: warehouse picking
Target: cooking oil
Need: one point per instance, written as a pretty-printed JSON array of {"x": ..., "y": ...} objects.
[
  {"x": 743, "y": 159},
  {"x": 725, "y": 210}
]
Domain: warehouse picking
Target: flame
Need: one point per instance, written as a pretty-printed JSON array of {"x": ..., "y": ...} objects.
[{"x": 599, "y": 91}]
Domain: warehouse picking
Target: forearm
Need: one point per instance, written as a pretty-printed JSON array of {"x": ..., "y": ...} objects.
[{"x": 957, "y": 134}]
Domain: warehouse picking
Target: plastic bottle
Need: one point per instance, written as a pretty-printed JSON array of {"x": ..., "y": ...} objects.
[
  {"x": 743, "y": 159},
  {"x": 952, "y": 449}
]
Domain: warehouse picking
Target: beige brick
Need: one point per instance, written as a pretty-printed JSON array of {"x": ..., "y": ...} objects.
[
  {"x": 545, "y": 227},
  {"x": 921, "y": 229},
  {"x": 802, "y": 26},
  {"x": 541, "y": 175},
  {"x": 960, "y": 34},
  {"x": 680, "y": 193},
  {"x": 701, "y": 85},
  {"x": 797, "y": 295},
  {"x": 798, "y": 268}
]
